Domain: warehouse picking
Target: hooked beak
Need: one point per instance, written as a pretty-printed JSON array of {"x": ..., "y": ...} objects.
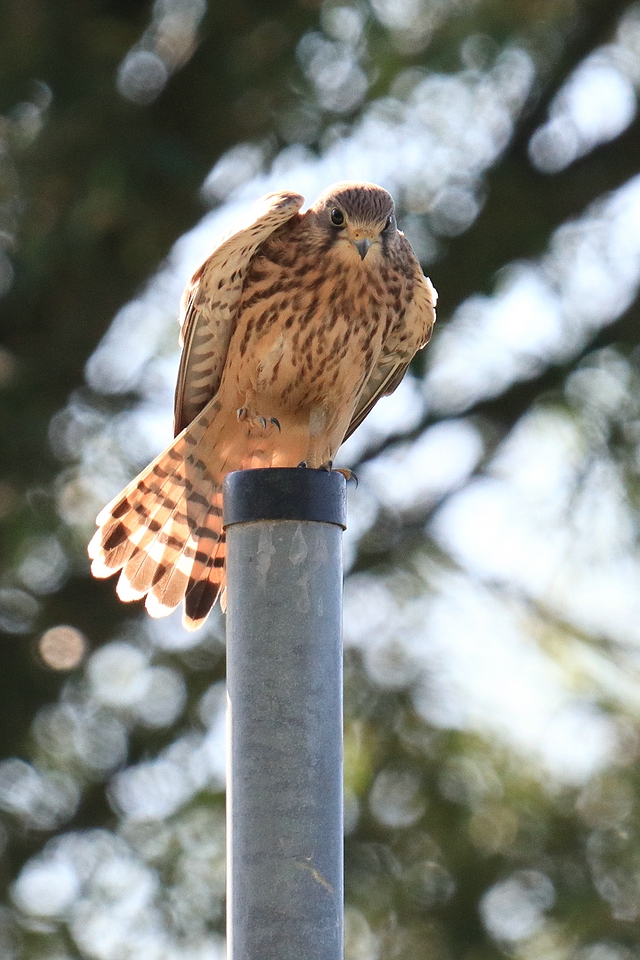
[{"x": 362, "y": 246}]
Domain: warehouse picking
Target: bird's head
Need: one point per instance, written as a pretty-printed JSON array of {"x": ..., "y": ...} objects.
[{"x": 359, "y": 217}]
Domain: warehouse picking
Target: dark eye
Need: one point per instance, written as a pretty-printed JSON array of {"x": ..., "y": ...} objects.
[
  {"x": 390, "y": 222},
  {"x": 337, "y": 217}
]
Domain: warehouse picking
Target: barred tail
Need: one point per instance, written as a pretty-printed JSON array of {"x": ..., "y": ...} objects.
[{"x": 164, "y": 531}]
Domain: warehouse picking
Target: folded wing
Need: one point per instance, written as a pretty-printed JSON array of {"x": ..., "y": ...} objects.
[{"x": 210, "y": 301}]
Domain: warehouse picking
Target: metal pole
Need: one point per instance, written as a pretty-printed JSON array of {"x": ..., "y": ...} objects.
[{"x": 284, "y": 687}]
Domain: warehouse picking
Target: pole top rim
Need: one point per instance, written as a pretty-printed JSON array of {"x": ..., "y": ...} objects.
[{"x": 285, "y": 493}]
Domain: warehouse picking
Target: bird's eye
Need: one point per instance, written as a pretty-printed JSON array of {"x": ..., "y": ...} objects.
[
  {"x": 337, "y": 217},
  {"x": 390, "y": 222}
]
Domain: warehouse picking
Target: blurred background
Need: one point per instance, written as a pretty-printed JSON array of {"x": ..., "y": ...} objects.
[{"x": 492, "y": 608}]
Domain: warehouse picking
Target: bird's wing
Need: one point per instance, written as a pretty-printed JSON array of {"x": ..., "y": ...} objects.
[
  {"x": 210, "y": 301},
  {"x": 398, "y": 350}
]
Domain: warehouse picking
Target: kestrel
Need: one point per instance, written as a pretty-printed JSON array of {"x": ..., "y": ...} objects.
[{"x": 292, "y": 329}]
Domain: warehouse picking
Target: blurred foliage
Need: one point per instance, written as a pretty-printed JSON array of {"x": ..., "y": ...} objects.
[{"x": 458, "y": 845}]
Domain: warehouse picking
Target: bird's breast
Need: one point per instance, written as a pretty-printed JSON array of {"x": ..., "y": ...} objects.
[{"x": 309, "y": 341}]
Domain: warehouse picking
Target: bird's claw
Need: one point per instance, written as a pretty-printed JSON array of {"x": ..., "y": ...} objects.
[
  {"x": 349, "y": 475},
  {"x": 245, "y": 415},
  {"x": 346, "y": 473}
]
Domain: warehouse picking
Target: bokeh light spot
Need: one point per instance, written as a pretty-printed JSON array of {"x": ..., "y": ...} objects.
[
  {"x": 46, "y": 888},
  {"x": 396, "y": 799},
  {"x": 62, "y": 647},
  {"x": 18, "y": 610},
  {"x": 141, "y": 76}
]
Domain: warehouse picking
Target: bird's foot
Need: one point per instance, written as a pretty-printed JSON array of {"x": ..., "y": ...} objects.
[
  {"x": 346, "y": 473},
  {"x": 328, "y": 466},
  {"x": 349, "y": 475},
  {"x": 245, "y": 415}
]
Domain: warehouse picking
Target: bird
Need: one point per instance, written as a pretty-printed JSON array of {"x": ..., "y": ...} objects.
[{"x": 291, "y": 330}]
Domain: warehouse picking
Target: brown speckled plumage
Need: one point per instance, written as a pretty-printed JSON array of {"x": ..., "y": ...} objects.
[{"x": 294, "y": 321}]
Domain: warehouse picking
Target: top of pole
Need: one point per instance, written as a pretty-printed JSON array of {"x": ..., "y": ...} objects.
[{"x": 285, "y": 493}]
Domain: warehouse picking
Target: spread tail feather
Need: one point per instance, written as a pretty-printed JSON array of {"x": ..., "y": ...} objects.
[{"x": 164, "y": 531}]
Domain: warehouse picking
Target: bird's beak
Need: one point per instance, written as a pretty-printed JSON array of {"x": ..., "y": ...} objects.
[{"x": 362, "y": 246}]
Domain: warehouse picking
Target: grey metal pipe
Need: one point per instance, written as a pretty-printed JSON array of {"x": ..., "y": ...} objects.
[{"x": 284, "y": 686}]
